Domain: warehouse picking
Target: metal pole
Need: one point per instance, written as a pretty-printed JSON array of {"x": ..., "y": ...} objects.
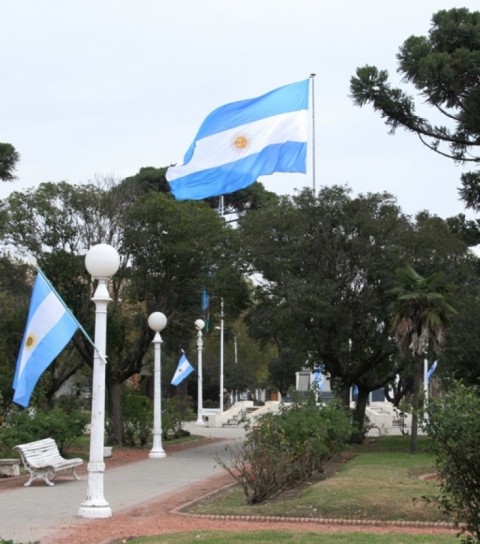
[
  {"x": 157, "y": 451},
  {"x": 235, "y": 347},
  {"x": 95, "y": 505},
  {"x": 102, "y": 262},
  {"x": 425, "y": 384},
  {"x": 221, "y": 354},
  {"x": 312, "y": 78}
]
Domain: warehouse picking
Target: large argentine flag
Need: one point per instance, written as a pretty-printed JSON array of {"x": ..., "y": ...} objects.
[
  {"x": 243, "y": 140},
  {"x": 184, "y": 369},
  {"x": 50, "y": 325}
]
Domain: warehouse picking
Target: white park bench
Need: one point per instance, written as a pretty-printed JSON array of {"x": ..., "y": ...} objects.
[{"x": 43, "y": 460}]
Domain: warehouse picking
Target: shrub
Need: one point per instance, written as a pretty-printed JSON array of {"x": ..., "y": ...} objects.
[
  {"x": 33, "y": 424},
  {"x": 137, "y": 418},
  {"x": 174, "y": 411},
  {"x": 284, "y": 449},
  {"x": 454, "y": 424},
  {"x": 12, "y": 542}
]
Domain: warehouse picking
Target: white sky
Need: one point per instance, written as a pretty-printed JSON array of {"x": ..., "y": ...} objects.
[{"x": 93, "y": 88}]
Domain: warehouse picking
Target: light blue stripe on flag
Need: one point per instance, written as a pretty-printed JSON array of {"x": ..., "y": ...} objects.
[
  {"x": 431, "y": 371},
  {"x": 184, "y": 369},
  {"x": 243, "y": 140},
  {"x": 50, "y": 326},
  {"x": 318, "y": 379}
]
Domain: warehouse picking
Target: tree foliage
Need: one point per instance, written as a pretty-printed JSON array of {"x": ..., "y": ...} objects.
[
  {"x": 169, "y": 252},
  {"x": 421, "y": 315},
  {"x": 444, "y": 67},
  {"x": 325, "y": 266},
  {"x": 454, "y": 424},
  {"x": 9, "y": 158},
  {"x": 461, "y": 354},
  {"x": 14, "y": 297}
]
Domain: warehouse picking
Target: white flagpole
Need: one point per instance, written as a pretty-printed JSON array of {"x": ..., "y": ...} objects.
[
  {"x": 425, "y": 379},
  {"x": 221, "y": 354},
  {"x": 312, "y": 78},
  {"x": 221, "y": 206},
  {"x": 425, "y": 386}
]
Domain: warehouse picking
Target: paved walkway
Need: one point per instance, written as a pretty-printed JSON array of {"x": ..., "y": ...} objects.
[{"x": 30, "y": 514}]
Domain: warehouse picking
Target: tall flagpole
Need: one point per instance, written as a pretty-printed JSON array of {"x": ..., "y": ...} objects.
[
  {"x": 222, "y": 214},
  {"x": 222, "y": 332},
  {"x": 312, "y": 78}
]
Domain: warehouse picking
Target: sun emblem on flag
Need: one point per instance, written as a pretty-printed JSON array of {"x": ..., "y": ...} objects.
[
  {"x": 240, "y": 142},
  {"x": 30, "y": 341}
]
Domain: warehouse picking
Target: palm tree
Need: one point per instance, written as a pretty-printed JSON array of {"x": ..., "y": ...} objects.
[{"x": 421, "y": 315}]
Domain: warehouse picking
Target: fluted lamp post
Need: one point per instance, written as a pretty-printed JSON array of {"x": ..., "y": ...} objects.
[
  {"x": 102, "y": 262},
  {"x": 199, "y": 325},
  {"x": 157, "y": 322}
]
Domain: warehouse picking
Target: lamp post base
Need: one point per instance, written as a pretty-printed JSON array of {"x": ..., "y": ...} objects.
[
  {"x": 200, "y": 422},
  {"x": 95, "y": 512},
  {"x": 156, "y": 454}
]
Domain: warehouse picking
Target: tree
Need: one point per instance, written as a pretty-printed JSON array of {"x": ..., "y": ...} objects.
[
  {"x": 14, "y": 299},
  {"x": 468, "y": 230},
  {"x": 177, "y": 249},
  {"x": 166, "y": 248},
  {"x": 253, "y": 197},
  {"x": 56, "y": 224},
  {"x": 422, "y": 314},
  {"x": 8, "y": 161},
  {"x": 325, "y": 265},
  {"x": 270, "y": 325},
  {"x": 461, "y": 353},
  {"x": 147, "y": 179},
  {"x": 445, "y": 68},
  {"x": 245, "y": 360}
]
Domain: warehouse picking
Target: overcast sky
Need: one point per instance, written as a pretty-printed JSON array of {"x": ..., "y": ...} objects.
[{"x": 101, "y": 88}]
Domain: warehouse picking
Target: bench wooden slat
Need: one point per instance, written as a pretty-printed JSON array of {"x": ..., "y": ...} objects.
[{"x": 42, "y": 459}]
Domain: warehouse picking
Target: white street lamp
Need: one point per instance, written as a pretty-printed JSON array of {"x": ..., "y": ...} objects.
[
  {"x": 199, "y": 324},
  {"x": 157, "y": 322},
  {"x": 102, "y": 262}
]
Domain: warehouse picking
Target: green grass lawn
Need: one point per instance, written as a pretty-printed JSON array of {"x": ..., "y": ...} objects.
[
  {"x": 285, "y": 537},
  {"x": 382, "y": 481}
]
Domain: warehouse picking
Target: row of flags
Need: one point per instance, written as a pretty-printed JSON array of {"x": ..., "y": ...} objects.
[{"x": 50, "y": 326}]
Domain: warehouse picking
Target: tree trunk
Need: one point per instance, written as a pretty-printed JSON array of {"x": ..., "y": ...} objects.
[
  {"x": 343, "y": 392},
  {"x": 417, "y": 381},
  {"x": 116, "y": 414},
  {"x": 359, "y": 415}
]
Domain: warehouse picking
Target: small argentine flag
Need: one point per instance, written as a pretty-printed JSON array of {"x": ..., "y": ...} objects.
[
  {"x": 184, "y": 369},
  {"x": 50, "y": 326}
]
